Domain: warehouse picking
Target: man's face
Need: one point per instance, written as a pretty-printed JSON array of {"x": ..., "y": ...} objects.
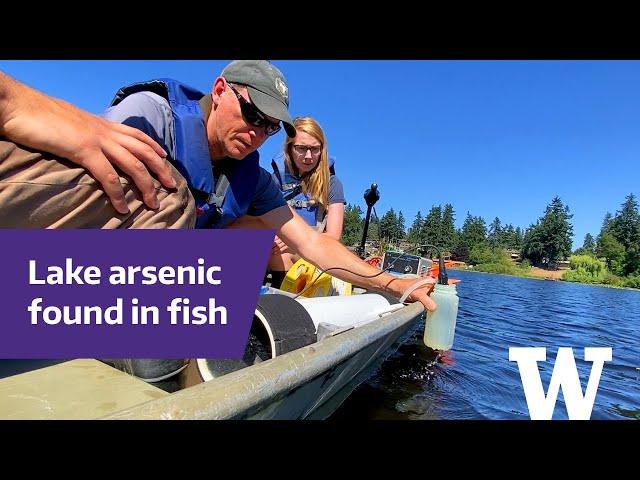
[{"x": 235, "y": 135}]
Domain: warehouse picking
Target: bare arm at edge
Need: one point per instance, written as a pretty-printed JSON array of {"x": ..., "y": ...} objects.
[{"x": 45, "y": 123}]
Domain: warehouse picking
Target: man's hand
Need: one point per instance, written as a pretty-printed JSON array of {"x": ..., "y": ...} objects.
[
  {"x": 421, "y": 294},
  {"x": 35, "y": 120}
]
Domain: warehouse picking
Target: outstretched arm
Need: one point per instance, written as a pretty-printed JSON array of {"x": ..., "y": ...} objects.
[
  {"x": 326, "y": 252},
  {"x": 38, "y": 121}
]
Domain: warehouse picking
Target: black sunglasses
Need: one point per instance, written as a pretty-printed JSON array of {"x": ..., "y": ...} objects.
[{"x": 254, "y": 116}]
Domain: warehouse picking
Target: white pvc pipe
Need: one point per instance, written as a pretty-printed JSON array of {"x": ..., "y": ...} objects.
[{"x": 348, "y": 310}]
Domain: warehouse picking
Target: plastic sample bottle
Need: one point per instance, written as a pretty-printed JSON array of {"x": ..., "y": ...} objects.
[{"x": 440, "y": 326}]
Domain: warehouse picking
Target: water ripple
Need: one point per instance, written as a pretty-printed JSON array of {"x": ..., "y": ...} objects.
[{"x": 497, "y": 312}]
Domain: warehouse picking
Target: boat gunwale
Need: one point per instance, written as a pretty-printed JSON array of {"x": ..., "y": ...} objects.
[{"x": 247, "y": 389}]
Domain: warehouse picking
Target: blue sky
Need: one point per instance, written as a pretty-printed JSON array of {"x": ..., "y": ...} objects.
[{"x": 493, "y": 138}]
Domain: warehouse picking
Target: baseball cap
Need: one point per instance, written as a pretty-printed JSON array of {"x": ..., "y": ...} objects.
[{"x": 267, "y": 88}]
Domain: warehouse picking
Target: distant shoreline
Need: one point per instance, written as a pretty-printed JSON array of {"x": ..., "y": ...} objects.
[{"x": 539, "y": 277}]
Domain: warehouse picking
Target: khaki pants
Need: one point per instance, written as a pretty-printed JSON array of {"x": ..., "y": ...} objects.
[{"x": 42, "y": 191}]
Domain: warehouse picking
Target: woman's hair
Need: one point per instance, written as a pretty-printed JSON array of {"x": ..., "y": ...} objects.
[{"x": 316, "y": 182}]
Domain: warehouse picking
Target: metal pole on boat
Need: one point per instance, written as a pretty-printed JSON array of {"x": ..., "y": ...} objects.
[{"x": 371, "y": 196}]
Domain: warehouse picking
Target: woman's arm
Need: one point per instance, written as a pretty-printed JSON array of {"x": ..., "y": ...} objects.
[{"x": 335, "y": 220}]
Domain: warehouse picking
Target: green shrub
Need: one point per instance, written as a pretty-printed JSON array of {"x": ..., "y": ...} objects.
[
  {"x": 480, "y": 254},
  {"x": 587, "y": 263},
  {"x": 614, "y": 280},
  {"x": 632, "y": 281},
  {"x": 585, "y": 269},
  {"x": 581, "y": 275},
  {"x": 509, "y": 269}
]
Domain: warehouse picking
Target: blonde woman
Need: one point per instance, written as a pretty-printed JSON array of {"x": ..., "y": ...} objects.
[{"x": 306, "y": 176}]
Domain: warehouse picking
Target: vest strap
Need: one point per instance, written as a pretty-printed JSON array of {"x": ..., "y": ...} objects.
[
  {"x": 301, "y": 203},
  {"x": 296, "y": 190},
  {"x": 217, "y": 198}
]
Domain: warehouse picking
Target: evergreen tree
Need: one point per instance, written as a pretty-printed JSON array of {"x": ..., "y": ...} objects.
[
  {"x": 533, "y": 244},
  {"x": 625, "y": 227},
  {"x": 353, "y": 224},
  {"x": 589, "y": 244},
  {"x": 626, "y": 224},
  {"x": 374, "y": 229},
  {"x": 631, "y": 265},
  {"x": 511, "y": 237},
  {"x": 494, "y": 238},
  {"x": 400, "y": 229},
  {"x": 389, "y": 225},
  {"x": 449, "y": 234},
  {"x": 519, "y": 238},
  {"x": 558, "y": 230},
  {"x": 473, "y": 232},
  {"x": 416, "y": 227},
  {"x": 606, "y": 222},
  {"x": 431, "y": 232},
  {"x": 550, "y": 239}
]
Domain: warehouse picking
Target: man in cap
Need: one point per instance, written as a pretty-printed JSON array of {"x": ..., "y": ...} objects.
[{"x": 212, "y": 141}]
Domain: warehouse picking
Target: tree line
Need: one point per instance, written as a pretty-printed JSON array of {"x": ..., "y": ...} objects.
[
  {"x": 618, "y": 242},
  {"x": 542, "y": 243}
]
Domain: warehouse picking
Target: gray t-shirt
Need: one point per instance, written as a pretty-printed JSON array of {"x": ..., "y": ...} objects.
[
  {"x": 336, "y": 191},
  {"x": 152, "y": 114}
]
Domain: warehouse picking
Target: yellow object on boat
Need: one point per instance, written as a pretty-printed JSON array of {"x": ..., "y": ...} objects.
[{"x": 307, "y": 278}]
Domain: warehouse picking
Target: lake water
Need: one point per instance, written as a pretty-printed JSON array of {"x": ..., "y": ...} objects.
[{"x": 476, "y": 380}]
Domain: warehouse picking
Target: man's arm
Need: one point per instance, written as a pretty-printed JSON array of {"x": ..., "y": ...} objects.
[
  {"x": 335, "y": 222},
  {"x": 326, "y": 252},
  {"x": 35, "y": 120}
]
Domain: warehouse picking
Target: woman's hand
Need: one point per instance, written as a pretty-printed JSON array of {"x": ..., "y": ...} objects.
[{"x": 279, "y": 246}]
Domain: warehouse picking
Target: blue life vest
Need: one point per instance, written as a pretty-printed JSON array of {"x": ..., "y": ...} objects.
[
  {"x": 291, "y": 188},
  {"x": 192, "y": 156}
]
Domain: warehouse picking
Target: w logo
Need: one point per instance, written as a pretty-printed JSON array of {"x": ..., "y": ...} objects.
[{"x": 565, "y": 373}]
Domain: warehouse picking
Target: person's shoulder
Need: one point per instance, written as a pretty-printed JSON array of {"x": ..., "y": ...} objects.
[
  {"x": 336, "y": 190},
  {"x": 140, "y": 104},
  {"x": 150, "y": 99},
  {"x": 267, "y": 195}
]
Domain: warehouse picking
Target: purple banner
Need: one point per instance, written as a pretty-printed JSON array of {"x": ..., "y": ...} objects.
[{"x": 129, "y": 293}]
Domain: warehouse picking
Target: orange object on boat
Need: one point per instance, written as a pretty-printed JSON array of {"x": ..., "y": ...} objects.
[
  {"x": 435, "y": 268},
  {"x": 374, "y": 261}
]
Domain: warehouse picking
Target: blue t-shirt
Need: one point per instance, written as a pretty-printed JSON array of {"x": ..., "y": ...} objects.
[{"x": 152, "y": 114}]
